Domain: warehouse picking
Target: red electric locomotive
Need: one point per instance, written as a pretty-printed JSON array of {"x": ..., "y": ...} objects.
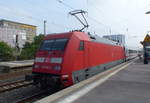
[{"x": 68, "y": 58}]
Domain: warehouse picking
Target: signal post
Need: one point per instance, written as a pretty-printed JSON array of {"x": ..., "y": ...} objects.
[{"x": 146, "y": 49}]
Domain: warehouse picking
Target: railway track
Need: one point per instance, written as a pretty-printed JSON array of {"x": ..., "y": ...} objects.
[
  {"x": 37, "y": 96},
  {"x": 33, "y": 97},
  {"x": 13, "y": 85}
]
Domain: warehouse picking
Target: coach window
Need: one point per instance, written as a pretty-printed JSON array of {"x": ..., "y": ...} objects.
[{"x": 81, "y": 47}]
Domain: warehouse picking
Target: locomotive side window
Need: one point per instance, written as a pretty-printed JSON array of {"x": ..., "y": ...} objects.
[{"x": 81, "y": 46}]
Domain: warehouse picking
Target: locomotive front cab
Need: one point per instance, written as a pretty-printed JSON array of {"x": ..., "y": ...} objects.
[
  {"x": 48, "y": 62},
  {"x": 49, "y": 58},
  {"x": 58, "y": 57}
]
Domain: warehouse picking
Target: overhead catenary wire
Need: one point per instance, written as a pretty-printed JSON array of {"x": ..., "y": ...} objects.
[
  {"x": 60, "y": 1},
  {"x": 97, "y": 22},
  {"x": 72, "y": 8},
  {"x": 103, "y": 13},
  {"x": 15, "y": 12}
]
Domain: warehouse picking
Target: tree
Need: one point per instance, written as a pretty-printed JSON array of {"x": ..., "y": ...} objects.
[
  {"x": 6, "y": 52},
  {"x": 38, "y": 39},
  {"x": 29, "y": 49}
]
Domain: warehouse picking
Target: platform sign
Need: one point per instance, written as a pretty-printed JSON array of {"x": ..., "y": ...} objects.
[{"x": 147, "y": 38}]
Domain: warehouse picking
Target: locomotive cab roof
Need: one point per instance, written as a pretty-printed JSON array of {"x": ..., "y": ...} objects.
[{"x": 82, "y": 36}]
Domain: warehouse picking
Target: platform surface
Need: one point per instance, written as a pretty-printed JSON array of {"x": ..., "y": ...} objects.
[
  {"x": 131, "y": 85},
  {"x": 13, "y": 64}
]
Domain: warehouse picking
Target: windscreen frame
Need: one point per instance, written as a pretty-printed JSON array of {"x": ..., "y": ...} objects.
[{"x": 55, "y": 46}]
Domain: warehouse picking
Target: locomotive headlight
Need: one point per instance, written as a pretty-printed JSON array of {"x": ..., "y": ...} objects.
[
  {"x": 36, "y": 66},
  {"x": 65, "y": 76},
  {"x": 57, "y": 67}
]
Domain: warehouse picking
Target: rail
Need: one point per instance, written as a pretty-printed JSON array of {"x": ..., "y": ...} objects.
[{"x": 13, "y": 85}]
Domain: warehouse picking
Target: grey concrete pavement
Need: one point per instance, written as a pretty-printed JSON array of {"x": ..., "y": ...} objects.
[
  {"x": 131, "y": 85},
  {"x": 6, "y": 66}
]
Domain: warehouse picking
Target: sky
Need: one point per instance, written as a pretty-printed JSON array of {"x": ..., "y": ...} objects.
[{"x": 104, "y": 17}]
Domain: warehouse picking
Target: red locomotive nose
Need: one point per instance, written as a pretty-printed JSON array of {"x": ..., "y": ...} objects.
[{"x": 49, "y": 58}]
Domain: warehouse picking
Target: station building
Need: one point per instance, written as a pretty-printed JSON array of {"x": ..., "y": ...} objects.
[
  {"x": 120, "y": 38},
  {"x": 10, "y": 31}
]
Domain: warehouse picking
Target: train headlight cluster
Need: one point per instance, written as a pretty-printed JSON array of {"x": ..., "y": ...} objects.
[
  {"x": 36, "y": 66},
  {"x": 65, "y": 76},
  {"x": 45, "y": 67}
]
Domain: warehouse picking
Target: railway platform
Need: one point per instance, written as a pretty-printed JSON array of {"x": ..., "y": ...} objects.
[
  {"x": 128, "y": 84},
  {"x": 6, "y": 66},
  {"x": 17, "y": 63}
]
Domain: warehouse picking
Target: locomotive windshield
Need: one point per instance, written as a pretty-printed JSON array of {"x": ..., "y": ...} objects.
[{"x": 54, "y": 44}]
